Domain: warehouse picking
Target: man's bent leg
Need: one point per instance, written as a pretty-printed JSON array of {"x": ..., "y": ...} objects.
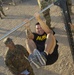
[
  {"x": 49, "y": 48},
  {"x": 40, "y": 57},
  {"x": 50, "y": 44},
  {"x": 35, "y": 62},
  {"x": 30, "y": 46}
]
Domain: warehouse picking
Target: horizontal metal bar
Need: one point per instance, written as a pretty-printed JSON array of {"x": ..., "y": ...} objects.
[{"x": 23, "y": 23}]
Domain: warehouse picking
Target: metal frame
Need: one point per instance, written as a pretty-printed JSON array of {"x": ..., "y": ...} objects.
[
  {"x": 67, "y": 19},
  {"x": 63, "y": 5}
]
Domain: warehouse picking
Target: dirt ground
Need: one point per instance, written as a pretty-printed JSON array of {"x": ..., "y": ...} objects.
[{"x": 15, "y": 16}]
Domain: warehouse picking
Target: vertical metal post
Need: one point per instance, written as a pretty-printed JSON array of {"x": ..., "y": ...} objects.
[{"x": 67, "y": 19}]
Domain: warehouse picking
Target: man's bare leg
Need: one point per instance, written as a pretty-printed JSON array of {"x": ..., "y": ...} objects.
[
  {"x": 50, "y": 44},
  {"x": 30, "y": 46}
]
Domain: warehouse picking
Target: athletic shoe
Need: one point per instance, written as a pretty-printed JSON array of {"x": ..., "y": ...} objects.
[
  {"x": 33, "y": 59},
  {"x": 40, "y": 57}
]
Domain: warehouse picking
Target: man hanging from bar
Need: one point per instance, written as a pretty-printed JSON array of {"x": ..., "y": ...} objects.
[{"x": 41, "y": 45}]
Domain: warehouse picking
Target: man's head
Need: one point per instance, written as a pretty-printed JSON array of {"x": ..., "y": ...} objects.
[
  {"x": 39, "y": 29},
  {"x": 8, "y": 42}
]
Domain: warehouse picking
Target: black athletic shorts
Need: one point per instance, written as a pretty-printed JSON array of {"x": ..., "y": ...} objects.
[{"x": 52, "y": 58}]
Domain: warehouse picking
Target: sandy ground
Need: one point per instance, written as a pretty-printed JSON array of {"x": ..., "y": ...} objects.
[{"x": 15, "y": 16}]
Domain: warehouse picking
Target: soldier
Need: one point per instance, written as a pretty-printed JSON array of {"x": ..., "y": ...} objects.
[
  {"x": 69, "y": 2},
  {"x": 1, "y": 10},
  {"x": 16, "y": 59},
  {"x": 42, "y": 4}
]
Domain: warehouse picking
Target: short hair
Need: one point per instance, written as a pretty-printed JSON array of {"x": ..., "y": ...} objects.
[
  {"x": 37, "y": 23},
  {"x": 6, "y": 40}
]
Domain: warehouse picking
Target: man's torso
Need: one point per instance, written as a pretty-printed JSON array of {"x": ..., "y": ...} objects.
[{"x": 40, "y": 41}]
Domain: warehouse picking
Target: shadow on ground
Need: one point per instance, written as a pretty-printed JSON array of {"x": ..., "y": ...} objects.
[
  {"x": 20, "y": 34},
  {"x": 2, "y": 61},
  {"x": 62, "y": 36},
  {"x": 2, "y": 74},
  {"x": 17, "y": 17},
  {"x": 26, "y": 2},
  {"x": 44, "y": 72}
]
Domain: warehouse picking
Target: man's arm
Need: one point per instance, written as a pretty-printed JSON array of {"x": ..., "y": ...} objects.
[
  {"x": 29, "y": 33},
  {"x": 43, "y": 25}
]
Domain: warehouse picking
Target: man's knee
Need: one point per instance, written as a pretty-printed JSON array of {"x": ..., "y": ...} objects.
[
  {"x": 48, "y": 35},
  {"x": 30, "y": 42}
]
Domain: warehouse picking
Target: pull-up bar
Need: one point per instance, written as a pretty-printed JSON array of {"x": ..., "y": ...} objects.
[{"x": 23, "y": 23}]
